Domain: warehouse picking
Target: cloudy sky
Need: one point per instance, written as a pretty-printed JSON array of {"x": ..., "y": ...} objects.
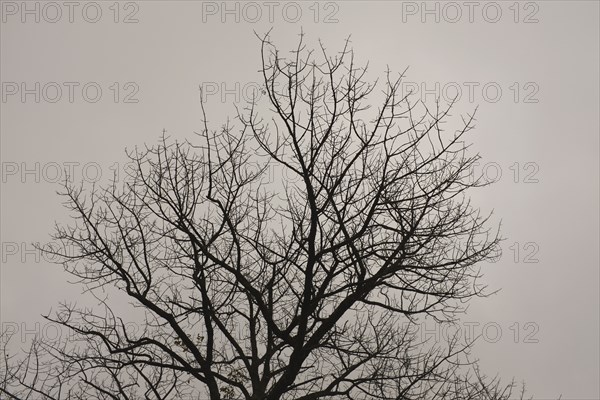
[{"x": 83, "y": 80}]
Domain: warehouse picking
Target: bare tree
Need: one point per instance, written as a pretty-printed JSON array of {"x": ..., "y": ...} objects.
[{"x": 260, "y": 286}]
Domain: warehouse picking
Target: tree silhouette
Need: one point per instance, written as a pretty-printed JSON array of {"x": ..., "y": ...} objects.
[{"x": 259, "y": 285}]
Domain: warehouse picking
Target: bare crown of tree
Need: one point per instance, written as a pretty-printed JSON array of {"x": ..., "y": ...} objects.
[{"x": 254, "y": 285}]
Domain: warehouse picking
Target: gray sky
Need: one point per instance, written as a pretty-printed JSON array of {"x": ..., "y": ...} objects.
[{"x": 88, "y": 79}]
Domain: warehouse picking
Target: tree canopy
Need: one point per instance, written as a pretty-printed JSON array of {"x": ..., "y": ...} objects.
[{"x": 262, "y": 285}]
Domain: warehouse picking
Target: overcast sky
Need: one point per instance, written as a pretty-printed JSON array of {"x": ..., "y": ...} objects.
[{"x": 83, "y": 80}]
